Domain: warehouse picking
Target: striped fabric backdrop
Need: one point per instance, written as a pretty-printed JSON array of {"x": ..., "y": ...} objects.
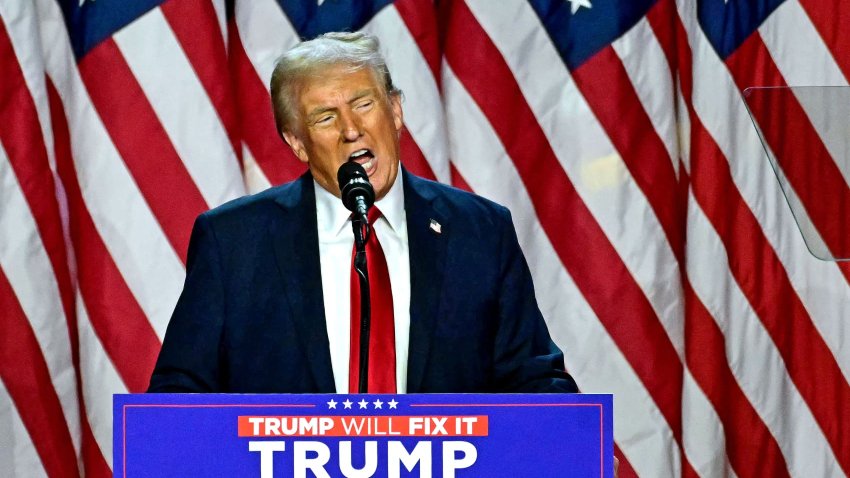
[{"x": 666, "y": 260}]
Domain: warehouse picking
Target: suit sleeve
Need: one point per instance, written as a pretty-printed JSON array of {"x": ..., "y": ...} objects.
[
  {"x": 526, "y": 359},
  {"x": 189, "y": 359}
]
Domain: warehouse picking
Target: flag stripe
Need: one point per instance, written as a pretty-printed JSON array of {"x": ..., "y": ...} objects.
[
  {"x": 752, "y": 450},
  {"x": 188, "y": 20},
  {"x": 421, "y": 20},
  {"x": 749, "y": 253},
  {"x": 802, "y": 346},
  {"x": 652, "y": 356},
  {"x": 817, "y": 180},
  {"x": 127, "y": 336},
  {"x": 609, "y": 91},
  {"x": 598, "y": 173},
  {"x": 17, "y": 452},
  {"x": 423, "y": 111},
  {"x": 591, "y": 355},
  {"x": 25, "y": 375},
  {"x": 834, "y": 27},
  {"x": 142, "y": 143},
  {"x": 414, "y": 160},
  {"x": 101, "y": 380},
  {"x": 200, "y": 142},
  {"x": 276, "y": 160}
]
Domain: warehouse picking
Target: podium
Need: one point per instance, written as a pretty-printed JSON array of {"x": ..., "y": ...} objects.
[{"x": 427, "y": 435}]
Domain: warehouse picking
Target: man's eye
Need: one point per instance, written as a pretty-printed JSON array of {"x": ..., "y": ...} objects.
[
  {"x": 324, "y": 119},
  {"x": 365, "y": 104}
]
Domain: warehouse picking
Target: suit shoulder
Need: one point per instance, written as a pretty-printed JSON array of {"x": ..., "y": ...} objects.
[
  {"x": 463, "y": 203},
  {"x": 260, "y": 203}
]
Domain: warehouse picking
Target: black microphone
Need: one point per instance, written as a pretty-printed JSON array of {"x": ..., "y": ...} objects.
[{"x": 357, "y": 193}]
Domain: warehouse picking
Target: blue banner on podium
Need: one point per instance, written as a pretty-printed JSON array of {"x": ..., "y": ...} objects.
[{"x": 439, "y": 435}]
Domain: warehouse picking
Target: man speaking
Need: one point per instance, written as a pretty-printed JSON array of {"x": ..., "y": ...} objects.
[{"x": 270, "y": 302}]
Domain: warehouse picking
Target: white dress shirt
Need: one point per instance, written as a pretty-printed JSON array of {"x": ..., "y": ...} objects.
[{"x": 336, "y": 241}]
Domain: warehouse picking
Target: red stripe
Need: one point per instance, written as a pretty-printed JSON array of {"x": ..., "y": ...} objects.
[
  {"x": 25, "y": 374},
  {"x": 662, "y": 19},
  {"x": 833, "y": 24},
  {"x": 752, "y": 450},
  {"x": 28, "y": 156},
  {"x": 143, "y": 143},
  {"x": 762, "y": 277},
  {"x": 116, "y": 317},
  {"x": 259, "y": 132},
  {"x": 457, "y": 180},
  {"x": 816, "y": 179},
  {"x": 421, "y": 20},
  {"x": 93, "y": 462},
  {"x": 191, "y": 20},
  {"x": 412, "y": 157},
  {"x": 581, "y": 244},
  {"x": 625, "y": 469},
  {"x": 606, "y": 86}
]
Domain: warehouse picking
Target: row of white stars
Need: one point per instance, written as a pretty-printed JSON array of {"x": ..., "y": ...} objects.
[{"x": 377, "y": 404}]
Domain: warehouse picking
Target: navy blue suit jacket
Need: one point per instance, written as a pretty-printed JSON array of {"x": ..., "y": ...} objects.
[{"x": 251, "y": 315}]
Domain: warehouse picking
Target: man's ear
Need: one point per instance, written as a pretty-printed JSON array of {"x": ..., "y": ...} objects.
[
  {"x": 398, "y": 114},
  {"x": 296, "y": 145}
]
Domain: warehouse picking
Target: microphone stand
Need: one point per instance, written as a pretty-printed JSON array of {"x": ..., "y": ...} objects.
[{"x": 360, "y": 224}]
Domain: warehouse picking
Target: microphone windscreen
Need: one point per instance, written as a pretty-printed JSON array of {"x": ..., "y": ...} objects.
[{"x": 354, "y": 182}]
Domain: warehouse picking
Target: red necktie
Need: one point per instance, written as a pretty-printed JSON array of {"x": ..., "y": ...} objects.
[{"x": 382, "y": 334}]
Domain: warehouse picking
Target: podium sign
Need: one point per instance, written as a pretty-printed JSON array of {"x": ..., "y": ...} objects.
[{"x": 439, "y": 435}]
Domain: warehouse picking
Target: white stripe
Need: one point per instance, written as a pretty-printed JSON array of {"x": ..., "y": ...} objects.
[
  {"x": 100, "y": 382},
  {"x": 423, "y": 110},
  {"x": 803, "y": 59},
  {"x": 753, "y": 357},
  {"x": 31, "y": 275},
  {"x": 718, "y": 104},
  {"x": 596, "y": 170},
  {"x": 17, "y": 451},
  {"x": 592, "y": 357},
  {"x": 22, "y": 27},
  {"x": 702, "y": 432},
  {"x": 265, "y": 32},
  {"x": 649, "y": 72},
  {"x": 255, "y": 179},
  {"x": 182, "y": 106},
  {"x": 819, "y": 284},
  {"x": 134, "y": 239}
]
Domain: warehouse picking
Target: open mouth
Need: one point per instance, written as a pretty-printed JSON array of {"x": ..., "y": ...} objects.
[{"x": 364, "y": 157}]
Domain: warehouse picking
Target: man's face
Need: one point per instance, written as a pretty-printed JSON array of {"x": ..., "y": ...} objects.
[{"x": 344, "y": 115}]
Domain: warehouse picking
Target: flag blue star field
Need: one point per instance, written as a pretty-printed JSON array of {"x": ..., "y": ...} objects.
[{"x": 666, "y": 260}]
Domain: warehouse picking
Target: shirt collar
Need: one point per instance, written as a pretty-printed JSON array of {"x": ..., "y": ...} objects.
[{"x": 333, "y": 217}]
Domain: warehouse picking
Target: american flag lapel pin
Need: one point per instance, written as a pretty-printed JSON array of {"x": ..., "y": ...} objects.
[{"x": 436, "y": 227}]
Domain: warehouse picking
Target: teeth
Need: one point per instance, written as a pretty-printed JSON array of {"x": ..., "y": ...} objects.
[
  {"x": 368, "y": 164},
  {"x": 358, "y": 153}
]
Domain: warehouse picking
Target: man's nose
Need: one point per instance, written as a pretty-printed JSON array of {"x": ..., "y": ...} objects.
[{"x": 352, "y": 129}]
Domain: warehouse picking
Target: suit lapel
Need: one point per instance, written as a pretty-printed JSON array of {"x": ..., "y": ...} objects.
[
  {"x": 296, "y": 244},
  {"x": 427, "y": 258}
]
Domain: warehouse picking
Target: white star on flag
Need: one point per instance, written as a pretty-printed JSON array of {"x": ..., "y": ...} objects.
[
  {"x": 576, "y": 4},
  {"x": 332, "y": 404},
  {"x": 392, "y": 403},
  {"x": 347, "y": 404},
  {"x": 378, "y": 404},
  {"x": 363, "y": 404}
]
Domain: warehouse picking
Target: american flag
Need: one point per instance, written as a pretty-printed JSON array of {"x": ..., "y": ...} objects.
[{"x": 666, "y": 260}]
